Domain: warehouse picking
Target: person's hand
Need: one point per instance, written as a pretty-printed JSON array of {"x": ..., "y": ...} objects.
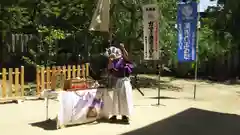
[{"x": 111, "y": 58}]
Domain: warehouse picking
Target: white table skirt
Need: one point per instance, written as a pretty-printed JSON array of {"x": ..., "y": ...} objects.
[{"x": 74, "y": 107}]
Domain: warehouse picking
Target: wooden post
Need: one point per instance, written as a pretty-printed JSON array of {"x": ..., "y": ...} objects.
[
  {"x": 53, "y": 70},
  {"x": 48, "y": 78},
  {"x": 4, "y": 80},
  {"x": 22, "y": 81},
  {"x": 59, "y": 69},
  {"x": 10, "y": 78},
  {"x": 42, "y": 80},
  {"x": 38, "y": 80},
  {"x": 16, "y": 85},
  {"x": 53, "y": 75},
  {"x": 73, "y": 71},
  {"x": 64, "y": 71},
  {"x": 87, "y": 69},
  {"x": 78, "y": 71},
  {"x": 69, "y": 72},
  {"x": 83, "y": 71}
]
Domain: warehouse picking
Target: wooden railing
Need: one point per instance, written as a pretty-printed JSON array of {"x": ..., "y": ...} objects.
[
  {"x": 12, "y": 84},
  {"x": 44, "y": 74}
]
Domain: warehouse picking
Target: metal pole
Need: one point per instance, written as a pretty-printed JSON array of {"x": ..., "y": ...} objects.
[
  {"x": 159, "y": 80},
  {"x": 46, "y": 104},
  {"x": 196, "y": 61},
  {"x": 195, "y": 77},
  {"x": 160, "y": 63}
]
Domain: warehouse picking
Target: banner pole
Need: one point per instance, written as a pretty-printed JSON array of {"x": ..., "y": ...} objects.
[
  {"x": 196, "y": 61},
  {"x": 159, "y": 80},
  {"x": 195, "y": 77}
]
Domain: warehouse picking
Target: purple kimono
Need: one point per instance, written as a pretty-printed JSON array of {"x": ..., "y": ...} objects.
[{"x": 122, "y": 68}]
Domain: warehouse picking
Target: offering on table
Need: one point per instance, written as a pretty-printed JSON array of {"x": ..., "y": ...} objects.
[
  {"x": 72, "y": 84},
  {"x": 80, "y": 84}
]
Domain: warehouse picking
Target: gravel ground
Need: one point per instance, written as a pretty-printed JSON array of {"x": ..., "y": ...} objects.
[{"x": 214, "y": 112}]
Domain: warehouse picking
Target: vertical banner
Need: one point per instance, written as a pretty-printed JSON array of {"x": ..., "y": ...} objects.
[
  {"x": 151, "y": 32},
  {"x": 100, "y": 19},
  {"x": 187, "y": 19}
]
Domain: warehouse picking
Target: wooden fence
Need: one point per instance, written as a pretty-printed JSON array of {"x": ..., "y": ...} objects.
[
  {"x": 44, "y": 74},
  {"x": 12, "y": 84}
]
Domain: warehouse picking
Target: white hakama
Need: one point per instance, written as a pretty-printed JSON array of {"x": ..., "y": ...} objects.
[{"x": 122, "y": 97}]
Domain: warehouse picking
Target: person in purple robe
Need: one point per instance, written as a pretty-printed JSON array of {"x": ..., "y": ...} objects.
[{"x": 120, "y": 67}]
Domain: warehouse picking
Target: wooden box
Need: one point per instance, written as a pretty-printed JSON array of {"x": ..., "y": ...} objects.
[{"x": 75, "y": 84}]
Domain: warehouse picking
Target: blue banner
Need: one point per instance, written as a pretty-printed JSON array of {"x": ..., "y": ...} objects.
[{"x": 187, "y": 20}]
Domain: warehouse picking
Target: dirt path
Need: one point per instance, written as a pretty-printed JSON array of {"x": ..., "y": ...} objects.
[{"x": 213, "y": 113}]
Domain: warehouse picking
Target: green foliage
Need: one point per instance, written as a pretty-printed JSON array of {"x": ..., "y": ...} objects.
[{"x": 63, "y": 24}]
